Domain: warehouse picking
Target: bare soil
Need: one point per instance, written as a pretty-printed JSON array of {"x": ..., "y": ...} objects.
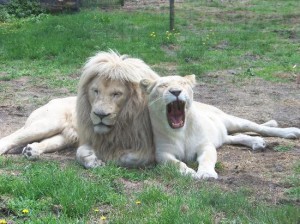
[{"x": 264, "y": 173}]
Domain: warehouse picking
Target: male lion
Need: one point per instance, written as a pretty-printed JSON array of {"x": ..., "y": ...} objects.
[
  {"x": 112, "y": 113},
  {"x": 112, "y": 117},
  {"x": 185, "y": 130}
]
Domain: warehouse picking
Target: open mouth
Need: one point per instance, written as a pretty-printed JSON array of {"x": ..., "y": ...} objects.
[{"x": 176, "y": 114}]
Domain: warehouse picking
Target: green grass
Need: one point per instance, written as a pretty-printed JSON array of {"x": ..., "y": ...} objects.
[
  {"x": 258, "y": 38},
  {"x": 294, "y": 181},
  {"x": 283, "y": 148},
  {"x": 211, "y": 36},
  {"x": 69, "y": 194}
]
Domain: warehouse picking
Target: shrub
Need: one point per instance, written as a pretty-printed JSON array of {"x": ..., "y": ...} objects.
[
  {"x": 24, "y": 8},
  {"x": 4, "y": 16}
]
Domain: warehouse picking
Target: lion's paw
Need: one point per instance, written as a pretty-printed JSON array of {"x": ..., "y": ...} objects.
[
  {"x": 30, "y": 152},
  {"x": 291, "y": 133},
  {"x": 188, "y": 172},
  {"x": 258, "y": 143},
  {"x": 4, "y": 146},
  {"x": 3, "y": 150},
  {"x": 89, "y": 164},
  {"x": 206, "y": 174}
]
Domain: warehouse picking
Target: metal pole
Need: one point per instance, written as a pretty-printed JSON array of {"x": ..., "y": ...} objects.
[{"x": 172, "y": 14}]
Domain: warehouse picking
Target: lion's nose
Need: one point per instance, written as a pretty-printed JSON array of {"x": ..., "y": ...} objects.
[
  {"x": 175, "y": 92},
  {"x": 101, "y": 115}
]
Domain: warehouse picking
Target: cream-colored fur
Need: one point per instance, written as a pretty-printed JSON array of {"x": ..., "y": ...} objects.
[
  {"x": 109, "y": 85},
  {"x": 196, "y": 133},
  {"x": 112, "y": 113},
  {"x": 50, "y": 128}
]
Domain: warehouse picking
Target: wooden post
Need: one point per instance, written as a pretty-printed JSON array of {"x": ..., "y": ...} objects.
[{"x": 172, "y": 14}]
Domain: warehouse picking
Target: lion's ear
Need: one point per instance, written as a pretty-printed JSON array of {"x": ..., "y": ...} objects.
[
  {"x": 191, "y": 79},
  {"x": 147, "y": 85}
]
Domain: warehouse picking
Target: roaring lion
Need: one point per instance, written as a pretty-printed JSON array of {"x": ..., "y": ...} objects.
[
  {"x": 113, "y": 119},
  {"x": 185, "y": 130}
]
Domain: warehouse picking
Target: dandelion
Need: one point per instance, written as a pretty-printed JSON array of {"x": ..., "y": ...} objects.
[
  {"x": 25, "y": 211},
  {"x": 103, "y": 218},
  {"x": 138, "y": 202},
  {"x": 3, "y": 221},
  {"x": 152, "y": 34},
  {"x": 96, "y": 210}
]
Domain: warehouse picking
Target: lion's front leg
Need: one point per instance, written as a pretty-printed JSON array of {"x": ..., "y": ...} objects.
[
  {"x": 165, "y": 157},
  {"x": 133, "y": 158},
  {"x": 86, "y": 156},
  {"x": 207, "y": 159}
]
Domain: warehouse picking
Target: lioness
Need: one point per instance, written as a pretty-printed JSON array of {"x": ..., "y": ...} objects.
[
  {"x": 49, "y": 128},
  {"x": 185, "y": 130}
]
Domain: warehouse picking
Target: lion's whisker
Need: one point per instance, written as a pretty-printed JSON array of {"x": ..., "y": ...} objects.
[{"x": 154, "y": 101}]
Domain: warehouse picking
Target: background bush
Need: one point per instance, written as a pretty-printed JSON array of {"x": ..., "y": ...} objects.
[{"x": 24, "y": 8}]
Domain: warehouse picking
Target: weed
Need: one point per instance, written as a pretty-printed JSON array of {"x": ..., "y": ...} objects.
[{"x": 283, "y": 148}]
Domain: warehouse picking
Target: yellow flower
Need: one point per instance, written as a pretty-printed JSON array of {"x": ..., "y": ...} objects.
[
  {"x": 96, "y": 210},
  {"x": 138, "y": 202},
  {"x": 25, "y": 211},
  {"x": 152, "y": 34},
  {"x": 2, "y": 221},
  {"x": 103, "y": 217}
]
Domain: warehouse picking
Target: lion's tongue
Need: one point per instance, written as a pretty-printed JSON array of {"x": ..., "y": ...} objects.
[{"x": 175, "y": 114}]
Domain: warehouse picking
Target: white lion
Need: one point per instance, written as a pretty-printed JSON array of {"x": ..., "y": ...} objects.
[
  {"x": 112, "y": 117},
  {"x": 185, "y": 130},
  {"x": 49, "y": 128},
  {"x": 112, "y": 113}
]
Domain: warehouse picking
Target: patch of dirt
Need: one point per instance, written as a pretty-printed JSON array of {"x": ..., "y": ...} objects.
[{"x": 264, "y": 173}]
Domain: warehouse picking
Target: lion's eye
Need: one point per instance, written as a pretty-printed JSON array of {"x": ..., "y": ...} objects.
[
  {"x": 163, "y": 85},
  {"x": 96, "y": 91},
  {"x": 116, "y": 94}
]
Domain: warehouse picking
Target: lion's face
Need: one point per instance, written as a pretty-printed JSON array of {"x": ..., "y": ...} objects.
[
  {"x": 107, "y": 98},
  {"x": 171, "y": 95}
]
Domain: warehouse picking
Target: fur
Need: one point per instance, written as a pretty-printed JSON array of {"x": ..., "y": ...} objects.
[
  {"x": 197, "y": 134},
  {"x": 49, "y": 128},
  {"x": 129, "y": 141},
  {"x": 54, "y": 126}
]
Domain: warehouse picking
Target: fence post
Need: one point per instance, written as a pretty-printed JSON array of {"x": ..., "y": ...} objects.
[{"x": 172, "y": 14}]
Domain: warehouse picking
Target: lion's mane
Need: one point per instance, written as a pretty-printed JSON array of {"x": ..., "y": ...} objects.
[{"x": 132, "y": 130}]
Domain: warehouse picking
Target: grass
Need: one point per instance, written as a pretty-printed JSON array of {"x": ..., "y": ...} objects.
[
  {"x": 69, "y": 194},
  {"x": 210, "y": 36},
  {"x": 283, "y": 148},
  {"x": 256, "y": 38}
]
